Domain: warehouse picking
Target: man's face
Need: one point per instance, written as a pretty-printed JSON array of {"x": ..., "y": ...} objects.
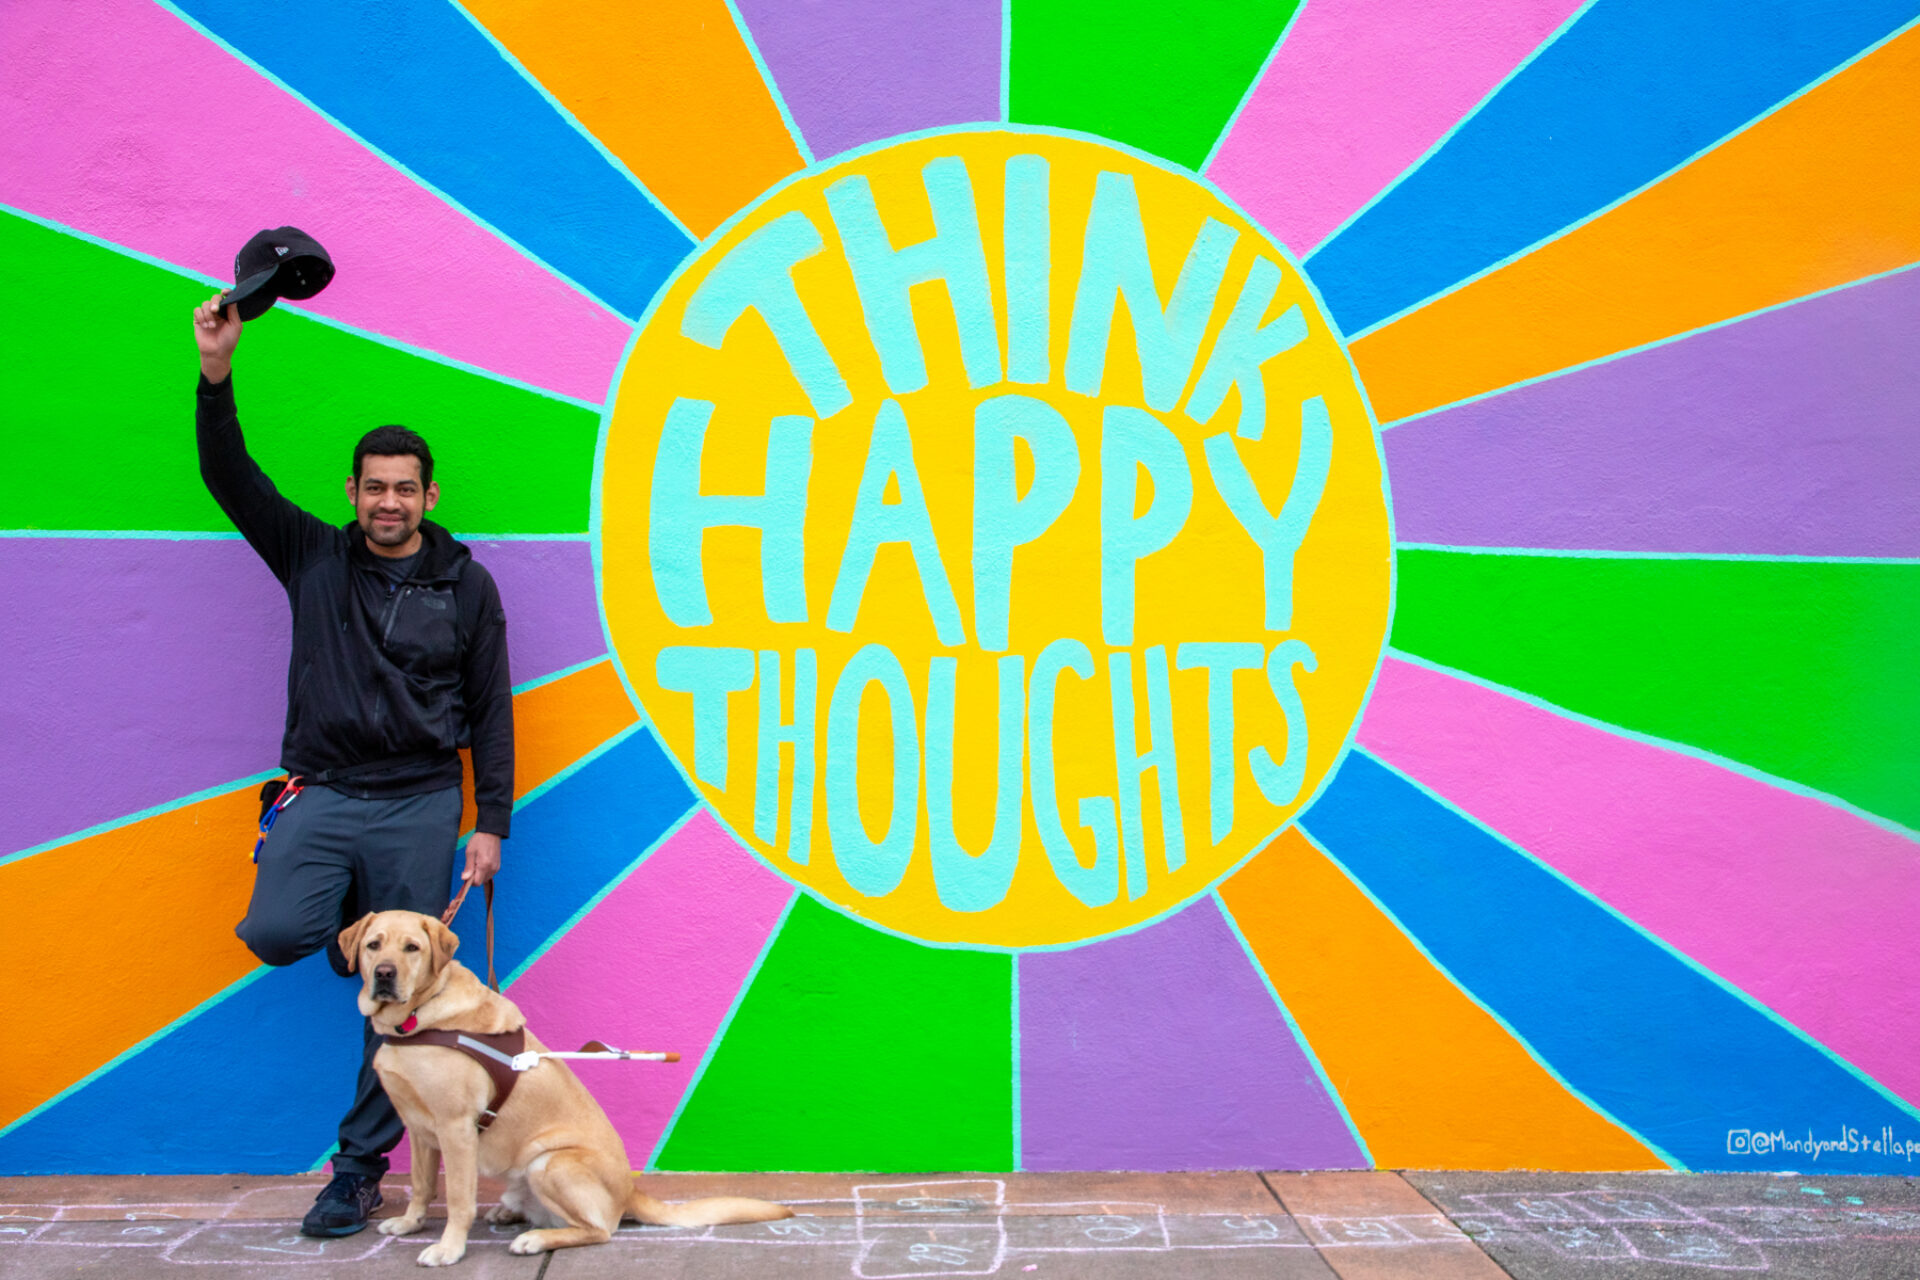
[{"x": 388, "y": 501}]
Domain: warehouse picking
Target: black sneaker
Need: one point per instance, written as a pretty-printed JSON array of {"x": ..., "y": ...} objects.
[{"x": 343, "y": 1208}]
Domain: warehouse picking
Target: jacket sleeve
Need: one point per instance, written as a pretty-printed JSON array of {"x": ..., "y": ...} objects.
[
  {"x": 282, "y": 534},
  {"x": 488, "y": 692}
]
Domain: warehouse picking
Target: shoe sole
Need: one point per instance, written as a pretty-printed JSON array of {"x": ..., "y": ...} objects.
[{"x": 330, "y": 1233}]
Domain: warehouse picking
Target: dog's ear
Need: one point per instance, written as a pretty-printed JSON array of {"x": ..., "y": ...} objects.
[
  {"x": 349, "y": 941},
  {"x": 445, "y": 943}
]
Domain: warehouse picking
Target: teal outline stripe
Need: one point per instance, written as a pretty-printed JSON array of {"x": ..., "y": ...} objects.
[
  {"x": 337, "y": 126},
  {"x": 614, "y": 162},
  {"x": 614, "y": 881},
  {"x": 1440, "y": 142},
  {"x": 1655, "y": 344},
  {"x": 1568, "y": 553},
  {"x": 1006, "y": 61},
  {"x": 1625, "y": 921},
  {"x": 1526, "y": 1046},
  {"x": 1233, "y": 117},
  {"x": 234, "y": 988},
  {"x": 1644, "y": 187},
  {"x": 1665, "y": 744},
  {"x": 142, "y": 815},
  {"x": 1299, "y": 1036},
  {"x": 194, "y": 535},
  {"x": 1019, "y": 1161},
  {"x": 367, "y": 335},
  {"x": 561, "y": 674},
  {"x": 719, "y": 1034},
  {"x": 786, "y": 116},
  {"x": 254, "y": 779}
]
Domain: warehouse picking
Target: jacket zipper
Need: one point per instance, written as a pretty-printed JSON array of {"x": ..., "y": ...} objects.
[{"x": 393, "y": 612}]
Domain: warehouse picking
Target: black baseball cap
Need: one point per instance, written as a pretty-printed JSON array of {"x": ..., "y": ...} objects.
[{"x": 284, "y": 262}]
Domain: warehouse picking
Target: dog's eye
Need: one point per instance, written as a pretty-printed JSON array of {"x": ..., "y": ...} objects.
[
  {"x": 374, "y": 945},
  {"x": 413, "y": 946}
]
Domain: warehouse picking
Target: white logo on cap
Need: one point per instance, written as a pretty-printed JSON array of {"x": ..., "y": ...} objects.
[{"x": 280, "y": 249}]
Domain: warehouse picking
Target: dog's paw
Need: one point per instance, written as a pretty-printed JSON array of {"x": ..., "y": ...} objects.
[
  {"x": 527, "y": 1242},
  {"x": 401, "y": 1226},
  {"x": 500, "y": 1214},
  {"x": 441, "y": 1254}
]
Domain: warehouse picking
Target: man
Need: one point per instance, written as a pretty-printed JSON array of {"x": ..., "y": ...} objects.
[{"x": 399, "y": 659}]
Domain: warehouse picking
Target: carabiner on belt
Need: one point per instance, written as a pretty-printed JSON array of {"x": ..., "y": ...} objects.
[{"x": 286, "y": 797}]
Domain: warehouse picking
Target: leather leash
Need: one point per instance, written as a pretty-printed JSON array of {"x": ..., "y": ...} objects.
[{"x": 453, "y": 909}]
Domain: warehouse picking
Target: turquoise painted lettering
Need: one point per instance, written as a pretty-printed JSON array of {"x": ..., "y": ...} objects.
[
  {"x": 1281, "y": 783},
  {"x": 709, "y": 674},
  {"x": 776, "y": 733},
  {"x": 1029, "y": 270},
  {"x": 967, "y": 881},
  {"x": 1220, "y": 660},
  {"x": 872, "y": 867},
  {"x": 883, "y": 275},
  {"x": 1278, "y": 536},
  {"x": 1242, "y": 347},
  {"x": 1003, "y": 518},
  {"x": 877, "y": 522},
  {"x": 1130, "y": 764},
  {"x": 680, "y": 515},
  {"x": 1099, "y": 884},
  {"x": 1115, "y": 266},
  {"x": 1131, "y": 439},
  {"x": 758, "y": 274}
]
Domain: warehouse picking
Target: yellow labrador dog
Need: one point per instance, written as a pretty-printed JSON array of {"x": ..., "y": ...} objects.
[{"x": 566, "y": 1170}]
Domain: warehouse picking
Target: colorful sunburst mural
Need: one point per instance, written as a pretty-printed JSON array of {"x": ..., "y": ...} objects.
[{"x": 1305, "y": 584}]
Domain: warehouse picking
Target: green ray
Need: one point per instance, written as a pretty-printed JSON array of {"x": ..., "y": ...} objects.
[
  {"x": 99, "y": 406},
  {"x": 1162, "y": 77},
  {"x": 855, "y": 1049},
  {"x": 1801, "y": 669}
]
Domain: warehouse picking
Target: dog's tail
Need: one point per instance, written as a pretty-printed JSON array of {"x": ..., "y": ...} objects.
[{"x": 703, "y": 1213}]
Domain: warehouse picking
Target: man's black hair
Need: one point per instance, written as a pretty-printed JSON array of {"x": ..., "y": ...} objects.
[{"x": 393, "y": 442}]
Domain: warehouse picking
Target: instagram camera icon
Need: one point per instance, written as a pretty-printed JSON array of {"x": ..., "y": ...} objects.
[{"x": 1739, "y": 1142}]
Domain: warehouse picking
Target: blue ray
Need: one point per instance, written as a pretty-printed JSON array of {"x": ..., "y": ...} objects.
[
  {"x": 257, "y": 1082},
  {"x": 414, "y": 79},
  {"x": 1642, "y": 1033},
  {"x": 1631, "y": 90}
]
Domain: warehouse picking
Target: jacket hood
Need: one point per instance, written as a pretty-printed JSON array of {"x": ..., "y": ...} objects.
[{"x": 441, "y": 554}]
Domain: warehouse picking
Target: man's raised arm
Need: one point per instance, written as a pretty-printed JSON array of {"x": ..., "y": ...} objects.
[{"x": 282, "y": 533}]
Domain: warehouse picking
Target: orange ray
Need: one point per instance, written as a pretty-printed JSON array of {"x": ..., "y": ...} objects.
[
  {"x": 1430, "y": 1079},
  {"x": 671, "y": 89},
  {"x": 77, "y": 996},
  {"x": 1824, "y": 191}
]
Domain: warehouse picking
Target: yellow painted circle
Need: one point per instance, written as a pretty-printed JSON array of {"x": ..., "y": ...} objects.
[{"x": 785, "y": 491}]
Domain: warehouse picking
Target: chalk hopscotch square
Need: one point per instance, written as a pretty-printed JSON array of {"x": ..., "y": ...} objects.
[
  {"x": 119, "y": 1233},
  {"x": 912, "y": 1228},
  {"x": 1702, "y": 1246},
  {"x": 278, "y": 1243},
  {"x": 1081, "y": 1228},
  {"x": 19, "y": 1222},
  {"x": 933, "y": 1249}
]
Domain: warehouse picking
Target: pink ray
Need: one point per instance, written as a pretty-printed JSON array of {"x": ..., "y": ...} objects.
[
  {"x": 656, "y": 965},
  {"x": 1804, "y": 906},
  {"x": 119, "y": 120},
  {"x": 1359, "y": 91}
]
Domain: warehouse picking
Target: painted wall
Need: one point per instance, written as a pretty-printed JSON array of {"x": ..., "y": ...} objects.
[{"x": 1356, "y": 563}]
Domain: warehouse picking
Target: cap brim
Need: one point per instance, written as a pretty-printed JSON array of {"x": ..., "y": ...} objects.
[{"x": 253, "y": 295}]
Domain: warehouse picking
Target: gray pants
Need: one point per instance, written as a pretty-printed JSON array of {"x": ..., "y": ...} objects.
[{"x": 328, "y": 861}]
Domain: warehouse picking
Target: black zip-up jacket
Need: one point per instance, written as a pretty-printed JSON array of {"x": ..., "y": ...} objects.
[{"x": 387, "y": 680}]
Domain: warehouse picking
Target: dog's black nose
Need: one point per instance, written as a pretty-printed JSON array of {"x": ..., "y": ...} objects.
[{"x": 385, "y": 971}]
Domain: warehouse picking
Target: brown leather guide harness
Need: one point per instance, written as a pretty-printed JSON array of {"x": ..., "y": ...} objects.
[{"x": 495, "y": 1052}]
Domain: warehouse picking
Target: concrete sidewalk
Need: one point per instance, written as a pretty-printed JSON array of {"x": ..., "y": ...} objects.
[{"x": 1354, "y": 1226}]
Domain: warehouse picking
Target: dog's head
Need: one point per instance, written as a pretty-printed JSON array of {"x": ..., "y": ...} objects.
[{"x": 399, "y": 955}]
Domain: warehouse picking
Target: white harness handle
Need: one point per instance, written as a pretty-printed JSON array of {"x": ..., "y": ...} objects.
[{"x": 591, "y": 1049}]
